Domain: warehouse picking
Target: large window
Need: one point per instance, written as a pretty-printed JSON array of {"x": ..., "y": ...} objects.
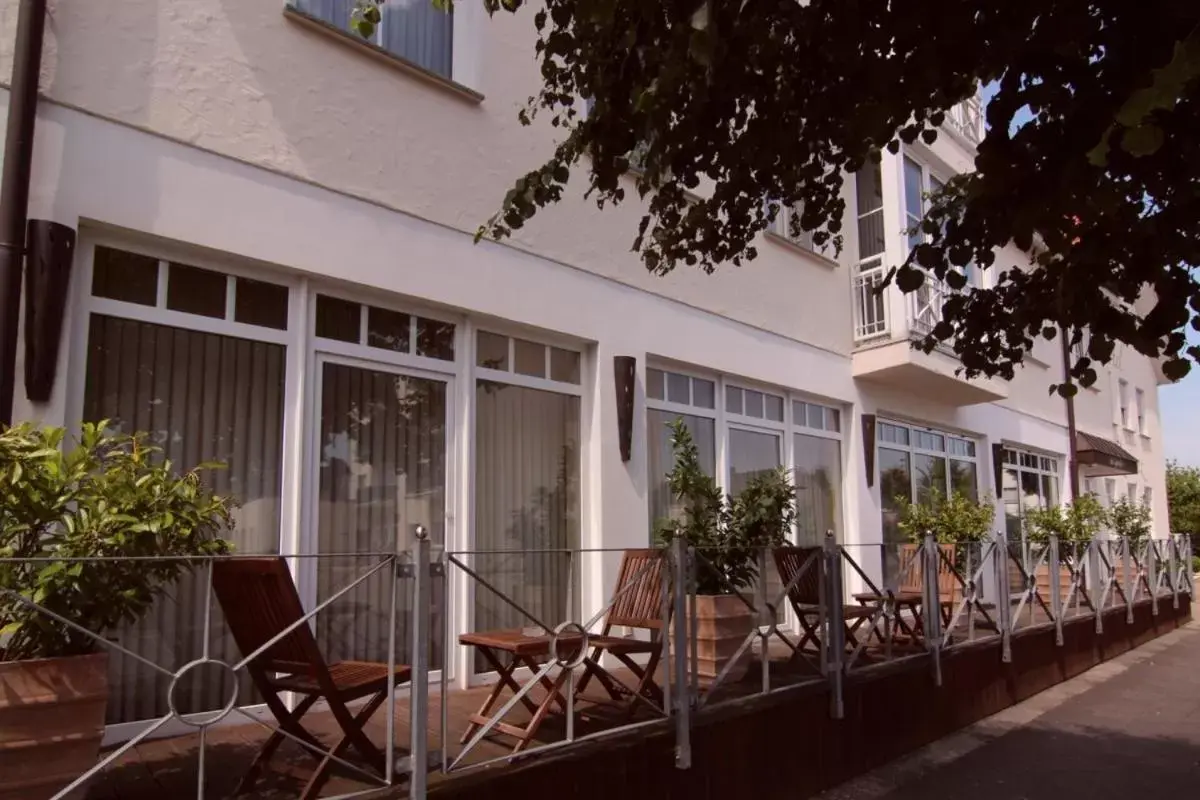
[
  {"x": 195, "y": 359},
  {"x": 527, "y": 476},
  {"x": 915, "y": 463},
  {"x": 670, "y": 396},
  {"x": 1030, "y": 480},
  {"x": 415, "y": 30}
]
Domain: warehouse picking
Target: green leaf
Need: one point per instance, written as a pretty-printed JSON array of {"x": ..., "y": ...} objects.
[{"x": 1144, "y": 140}]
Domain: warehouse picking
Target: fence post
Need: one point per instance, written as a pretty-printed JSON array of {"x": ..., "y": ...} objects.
[
  {"x": 683, "y": 705},
  {"x": 1130, "y": 581},
  {"x": 766, "y": 618},
  {"x": 419, "y": 682},
  {"x": 1151, "y": 567},
  {"x": 1056, "y": 604},
  {"x": 1187, "y": 565},
  {"x": 930, "y": 556},
  {"x": 834, "y": 600},
  {"x": 1099, "y": 582},
  {"x": 1003, "y": 599}
]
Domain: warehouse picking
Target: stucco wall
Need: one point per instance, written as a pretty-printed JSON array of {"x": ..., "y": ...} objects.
[{"x": 239, "y": 78}]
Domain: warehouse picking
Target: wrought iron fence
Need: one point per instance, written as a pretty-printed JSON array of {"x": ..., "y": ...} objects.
[{"x": 562, "y": 646}]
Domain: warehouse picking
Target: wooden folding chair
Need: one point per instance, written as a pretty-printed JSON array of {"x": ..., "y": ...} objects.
[
  {"x": 637, "y": 603},
  {"x": 260, "y": 601},
  {"x": 806, "y": 594}
]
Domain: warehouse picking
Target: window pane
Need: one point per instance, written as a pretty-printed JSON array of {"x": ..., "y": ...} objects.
[
  {"x": 913, "y": 201},
  {"x": 119, "y": 275},
  {"x": 894, "y": 434},
  {"x": 491, "y": 351},
  {"x": 754, "y": 404},
  {"x": 1050, "y": 490},
  {"x": 930, "y": 441},
  {"x": 660, "y": 460},
  {"x": 527, "y": 485},
  {"x": 964, "y": 478},
  {"x": 930, "y": 472},
  {"x": 655, "y": 384},
  {"x": 816, "y": 417},
  {"x": 529, "y": 358},
  {"x": 818, "y": 479},
  {"x": 1011, "y": 495},
  {"x": 200, "y": 397},
  {"x": 679, "y": 388},
  {"x": 261, "y": 303},
  {"x": 750, "y": 453},
  {"x": 1031, "y": 491},
  {"x": 833, "y": 420},
  {"x": 388, "y": 330},
  {"x": 419, "y": 32},
  {"x": 338, "y": 319},
  {"x": 435, "y": 339},
  {"x": 564, "y": 365},
  {"x": 704, "y": 393},
  {"x": 382, "y": 449},
  {"x": 196, "y": 291},
  {"x": 868, "y": 188},
  {"x": 774, "y": 407},
  {"x": 733, "y": 400},
  {"x": 895, "y": 483}
]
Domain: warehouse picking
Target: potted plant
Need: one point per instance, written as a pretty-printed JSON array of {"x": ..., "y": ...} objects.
[
  {"x": 111, "y": 498},
  {"x": 957, "y": 522},
  {"x": 1075, "y": 524},
  {"x": 726, "y": 534},
  {"x": 1131, "y": 522}
]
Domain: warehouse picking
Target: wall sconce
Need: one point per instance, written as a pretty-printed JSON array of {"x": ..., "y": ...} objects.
[
  {"x": 868, "y": 426},
  {"x": 50, "y": 251},
  {"x": 624, "y": 374}
]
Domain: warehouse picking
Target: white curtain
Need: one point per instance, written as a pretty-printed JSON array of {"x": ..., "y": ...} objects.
[
  {"x": 412, "y": 29},
  {"x": 200, "y": 397},
  {"x": 382, "y": 472},
  {"x": 526, "y": 499},
  {"x": 660, "y": 459}
]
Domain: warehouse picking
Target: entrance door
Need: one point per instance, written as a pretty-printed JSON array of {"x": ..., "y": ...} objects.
[{"x": 383, "y": 436}]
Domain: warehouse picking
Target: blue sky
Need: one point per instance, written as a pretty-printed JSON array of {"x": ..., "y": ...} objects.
[{"x": 1178, "y": 404}]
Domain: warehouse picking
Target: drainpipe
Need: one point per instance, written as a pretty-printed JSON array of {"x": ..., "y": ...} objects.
[
  {"x": 1072, "y": 453},
  {"x": 14, "y": 188}
]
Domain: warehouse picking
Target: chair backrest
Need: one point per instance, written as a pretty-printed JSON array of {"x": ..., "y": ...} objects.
[
  {"x": 260, "y": 600},
  {"x": 792, "y": 561},
  {"x": 637, "y": 598},
  {"x": 911, "y": 580}
]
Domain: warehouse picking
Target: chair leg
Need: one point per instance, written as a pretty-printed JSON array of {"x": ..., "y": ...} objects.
[
  {"x": 350, "y": 738},
  {"x": 289, "y": 722}
]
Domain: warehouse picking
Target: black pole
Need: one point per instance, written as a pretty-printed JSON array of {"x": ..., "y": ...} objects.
[
  {"x": 14, "y": 188},
  {"x": 1072, "y": 448}
]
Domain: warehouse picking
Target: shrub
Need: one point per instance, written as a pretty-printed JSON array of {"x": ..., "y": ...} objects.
[{"x": 953, "y": 519}]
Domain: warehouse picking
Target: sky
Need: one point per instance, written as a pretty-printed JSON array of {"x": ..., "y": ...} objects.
[{"x": 1178, "y": 404}]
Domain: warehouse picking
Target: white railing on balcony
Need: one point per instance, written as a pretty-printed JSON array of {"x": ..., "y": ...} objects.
[
  {"x": 966, "y": 120},
  {"x": 870, "y": 304},
  {"x": 925, "y": 307}
]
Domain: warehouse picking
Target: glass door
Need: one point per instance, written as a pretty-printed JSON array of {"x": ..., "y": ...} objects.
[{"x": 383, "y": 436}]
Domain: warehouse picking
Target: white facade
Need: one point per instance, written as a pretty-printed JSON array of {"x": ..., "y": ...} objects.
[{"x": 235, "y": 137}]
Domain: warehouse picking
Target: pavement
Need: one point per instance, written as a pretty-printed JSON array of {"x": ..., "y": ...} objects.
[{"x": 1127, "y": 729}]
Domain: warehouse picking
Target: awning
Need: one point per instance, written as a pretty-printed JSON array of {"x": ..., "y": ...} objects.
[{"x": 1103, "y": 457}]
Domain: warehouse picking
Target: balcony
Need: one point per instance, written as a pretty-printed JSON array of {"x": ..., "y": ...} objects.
[
  {"x": 887, "y": 321},
  {"x": 965, "y": 121}
]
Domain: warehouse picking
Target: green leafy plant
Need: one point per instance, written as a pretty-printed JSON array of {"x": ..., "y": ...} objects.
[
  {"x": 1076, "y": 522},
  {"x": 954, "y": 519},
  {"x": 1130, "y": 520},
  {"x": 112, "y": 499},
  {"x": 725, "y": 531}
]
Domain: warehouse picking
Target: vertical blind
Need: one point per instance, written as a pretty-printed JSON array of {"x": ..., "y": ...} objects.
[
  {"x": 200, "y": 397},
  {"x": 382, "y": 472},
  {"x": 413, "y": 29},
  {"x": 526, "y": 499}
]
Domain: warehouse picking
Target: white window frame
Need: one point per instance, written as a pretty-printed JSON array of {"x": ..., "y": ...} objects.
[
  {"x": 1123, "y": 403},
  {"x": 1139, "y": 407},
  {"x": 913, "y": 450}
]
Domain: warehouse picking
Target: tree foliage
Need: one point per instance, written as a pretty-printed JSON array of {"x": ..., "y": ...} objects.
[
  {"x": 1090, "y": 162},
  {"x": 1183, "y": 498}
]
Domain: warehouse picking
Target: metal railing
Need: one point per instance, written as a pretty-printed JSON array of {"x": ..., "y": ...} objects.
[
  {"x": 966, "y": 120},
  {"x": 552, "y": 676},
  {"x": 870, "y": 301}
]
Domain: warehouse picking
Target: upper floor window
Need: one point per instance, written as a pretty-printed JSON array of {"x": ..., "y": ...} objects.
[
  {"x": 1139, "y": 408},
  {"x": 782, "y": 227},
  {"x": 919, "y": 185},
  {"x": 1123, "y": 401},
  {"x": 868, "y": 188},
  {"x": 414, "y": 30}
]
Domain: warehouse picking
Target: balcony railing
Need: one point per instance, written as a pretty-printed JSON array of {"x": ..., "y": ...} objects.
[
  {"x": 870, "y": 303},
  {"x": 966, "y": 120},
  {"x": 925, "y": 307}
]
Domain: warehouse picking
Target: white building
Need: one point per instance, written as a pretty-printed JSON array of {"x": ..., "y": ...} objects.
[{"x": 276, "y": 269}]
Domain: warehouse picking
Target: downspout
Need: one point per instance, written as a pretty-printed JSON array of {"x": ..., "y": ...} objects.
[
  {"x": 14, "y": 188},
  {"x": 1072, "y": 452}
]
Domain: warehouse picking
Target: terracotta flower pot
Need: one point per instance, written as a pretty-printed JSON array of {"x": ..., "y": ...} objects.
[
  {"x": 51, "y": 722},
  {"x": 722, "y": 623}
]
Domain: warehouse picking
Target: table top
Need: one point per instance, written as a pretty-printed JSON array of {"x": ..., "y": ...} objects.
[{"x": 517, "y": 640}]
